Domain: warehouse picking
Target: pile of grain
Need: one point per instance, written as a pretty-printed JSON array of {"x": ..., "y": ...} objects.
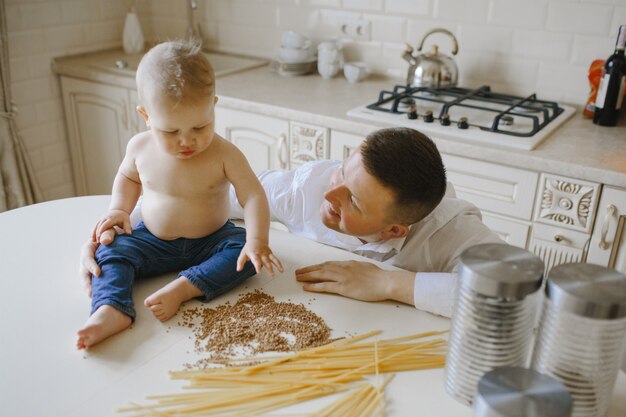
[{"x": 256, "y": 323}]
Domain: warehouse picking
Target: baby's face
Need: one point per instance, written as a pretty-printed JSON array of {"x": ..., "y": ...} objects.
[{"x": 183, "y": 130}]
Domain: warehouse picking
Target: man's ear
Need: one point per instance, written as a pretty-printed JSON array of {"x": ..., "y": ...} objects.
[
  {"x": 394, "y": 231},
  {"x": 142, "y": 111},
  {"x": 215, "y": 100}
]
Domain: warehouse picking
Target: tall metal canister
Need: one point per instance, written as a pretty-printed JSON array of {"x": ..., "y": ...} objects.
[
  {"x": 493, "y": 315},
  {"x": 581, "y": 334}
]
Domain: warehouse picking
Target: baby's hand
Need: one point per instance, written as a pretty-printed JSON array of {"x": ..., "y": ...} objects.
[
  {"x": 114, "y": 218},
  {"x": 260, "y": 255}
]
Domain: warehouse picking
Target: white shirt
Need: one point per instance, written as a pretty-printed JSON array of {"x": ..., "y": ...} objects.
[{"x": 431, "y": 249}]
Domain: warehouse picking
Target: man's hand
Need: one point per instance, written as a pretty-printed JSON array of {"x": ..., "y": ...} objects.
[
  {"x": 260, "y": 254},
  {"x": 359, "y": 280}
]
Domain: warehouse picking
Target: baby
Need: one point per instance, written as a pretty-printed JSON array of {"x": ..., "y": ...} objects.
[{"x": 184, "y": 170}]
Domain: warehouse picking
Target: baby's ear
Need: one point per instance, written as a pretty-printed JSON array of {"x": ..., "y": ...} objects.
[{"x": 215, "y": 100}]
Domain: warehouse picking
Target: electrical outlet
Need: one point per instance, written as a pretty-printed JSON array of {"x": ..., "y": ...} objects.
[{"x": 356, "y": 29}]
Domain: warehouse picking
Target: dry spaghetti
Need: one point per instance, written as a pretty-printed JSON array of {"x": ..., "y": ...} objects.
[{"x": 278, "y": 381}]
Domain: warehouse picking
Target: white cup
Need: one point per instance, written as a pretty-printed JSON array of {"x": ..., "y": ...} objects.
[
  {"x": 328, "y": 55},
  {"x": 291, "y": 39},
  {"x": 355, "y": 71},
  {"x": 327, "y": 69},
  {"x": 327, "y": 45}
]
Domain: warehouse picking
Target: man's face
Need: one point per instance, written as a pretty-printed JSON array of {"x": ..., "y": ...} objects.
[{"x": 356, "y": 202}]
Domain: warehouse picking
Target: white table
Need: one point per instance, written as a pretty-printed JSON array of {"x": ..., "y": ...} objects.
[{"x": 42, "y": 305}]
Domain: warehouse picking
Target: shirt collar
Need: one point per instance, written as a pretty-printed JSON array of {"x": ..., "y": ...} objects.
[{"x": 382, "y": 246}]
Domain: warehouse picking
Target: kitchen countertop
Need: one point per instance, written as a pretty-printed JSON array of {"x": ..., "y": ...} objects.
[
  {"x": 578, "y": 149},
  {"x": 42, "y": 305}
]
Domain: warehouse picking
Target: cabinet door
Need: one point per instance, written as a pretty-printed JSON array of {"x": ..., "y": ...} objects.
[
  {"x": 608, "y": 241},
  {"x": 262, "y": 139},
  {"x": 98, "y": 124},
  {"x": 341, "y": 144}
]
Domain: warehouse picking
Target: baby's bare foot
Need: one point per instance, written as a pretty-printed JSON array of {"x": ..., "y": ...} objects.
[
  {"x": 104, "y": 322},
  {"x": 165, "y": 302}
]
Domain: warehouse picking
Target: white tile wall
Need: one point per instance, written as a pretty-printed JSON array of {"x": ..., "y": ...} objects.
[
  {"x": 39, "y": 30},
  {"x": 542, "y": 46},
  {"x": 511, "y": 44}
]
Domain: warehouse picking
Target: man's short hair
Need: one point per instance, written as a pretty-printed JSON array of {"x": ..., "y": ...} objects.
[{"x": 409, "y": 164}]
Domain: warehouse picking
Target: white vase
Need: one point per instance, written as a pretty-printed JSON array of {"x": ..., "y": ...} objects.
[{"x": 132, "y": 38}]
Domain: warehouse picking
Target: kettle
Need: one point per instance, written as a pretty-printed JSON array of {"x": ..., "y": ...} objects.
[{"x": 431, "y": 69}]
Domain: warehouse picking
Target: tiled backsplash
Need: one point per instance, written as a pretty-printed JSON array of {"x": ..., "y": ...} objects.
[{"x": 518, "y": 46}]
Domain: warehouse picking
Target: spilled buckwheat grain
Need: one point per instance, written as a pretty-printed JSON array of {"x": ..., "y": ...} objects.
[{"x": 256, "y": 323}]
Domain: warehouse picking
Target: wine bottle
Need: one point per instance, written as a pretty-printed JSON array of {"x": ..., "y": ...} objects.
[{"x": 611, "y": 90}]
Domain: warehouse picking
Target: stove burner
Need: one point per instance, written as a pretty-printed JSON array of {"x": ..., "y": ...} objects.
[
  {"x": 405, "y": 104},
  {"x": 489, "y": 111}
]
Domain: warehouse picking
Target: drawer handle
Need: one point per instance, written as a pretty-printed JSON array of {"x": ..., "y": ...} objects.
[
  {"x": 282, "y": 151},
  {"x": 559, "y": 238},
  {"x": 610, "y": 211}
]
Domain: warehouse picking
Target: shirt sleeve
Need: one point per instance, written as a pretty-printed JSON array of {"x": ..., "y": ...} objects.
[
  {"x": 277, "y": 188},
  {"x": 435, "y": 292}
]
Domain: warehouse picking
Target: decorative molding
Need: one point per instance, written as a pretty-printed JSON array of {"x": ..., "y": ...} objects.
[
  {"x": 308, "y": 143},
  {"x": 567, "y": 202}
]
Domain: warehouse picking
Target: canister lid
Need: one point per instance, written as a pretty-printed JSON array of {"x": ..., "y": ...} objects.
[
  {"x": 520, "y": 392},
  {"x": 501, "y": 270},
  {"x": 588, "y": 290}
]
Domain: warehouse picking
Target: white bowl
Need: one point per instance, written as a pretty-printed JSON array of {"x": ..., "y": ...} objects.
[
  {"x": 295, "y": 54},
  {"x": 355, "y": 71}
]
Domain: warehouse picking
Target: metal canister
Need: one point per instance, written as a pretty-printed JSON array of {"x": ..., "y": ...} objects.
[
  {"x": 512, "y": 391},
  {"x": 581, "y": 334},
  {"x": 493, "y": 315}
]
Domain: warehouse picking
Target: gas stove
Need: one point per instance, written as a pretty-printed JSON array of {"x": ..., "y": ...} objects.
[{"x": 470, "y": 115}]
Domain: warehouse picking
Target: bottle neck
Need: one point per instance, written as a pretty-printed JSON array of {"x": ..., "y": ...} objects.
[{"x": 621, "y": 39}]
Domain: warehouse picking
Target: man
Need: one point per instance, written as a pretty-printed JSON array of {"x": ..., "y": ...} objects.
[{"x": 387, "y": 201}]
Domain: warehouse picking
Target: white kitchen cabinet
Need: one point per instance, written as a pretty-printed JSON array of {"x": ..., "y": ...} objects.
[
  {"x": 608, "y": 241},
  {"x": 262, "y": 139},
  {"x": 342, "y": 143},
  {"x": 99, "y": 124}
]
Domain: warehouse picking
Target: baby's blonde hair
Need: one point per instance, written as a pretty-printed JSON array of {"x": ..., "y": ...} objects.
[{"x": 175, "y": 69}]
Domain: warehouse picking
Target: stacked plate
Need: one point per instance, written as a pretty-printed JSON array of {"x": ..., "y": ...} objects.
[{"x": 296, "y": 56}]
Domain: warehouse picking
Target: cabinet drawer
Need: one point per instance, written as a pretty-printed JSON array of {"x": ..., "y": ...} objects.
[
  {"x": 556, "y": 246},
  {"x": 491, "y": 187}
]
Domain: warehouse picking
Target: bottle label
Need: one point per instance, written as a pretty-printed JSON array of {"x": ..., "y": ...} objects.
[
  {"x": 604, "y": 84},
  {"x": 620, "y": 97}
]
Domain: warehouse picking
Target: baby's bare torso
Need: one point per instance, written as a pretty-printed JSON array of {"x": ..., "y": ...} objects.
[{"x": 183, "y": 198}]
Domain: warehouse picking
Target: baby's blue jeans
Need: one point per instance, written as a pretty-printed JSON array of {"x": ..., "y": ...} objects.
[{"x": 210, "y": 263}]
